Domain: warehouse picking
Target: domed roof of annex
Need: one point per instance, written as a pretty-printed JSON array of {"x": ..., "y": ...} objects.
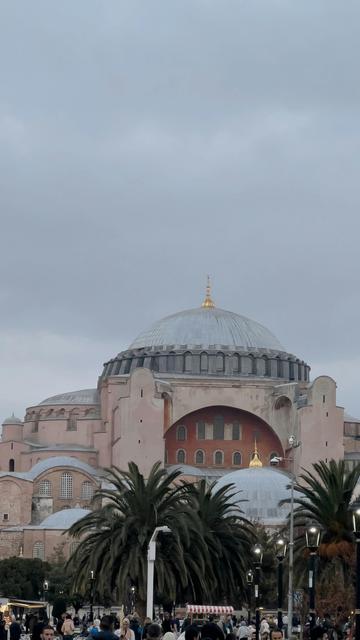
[
  {"x": 63, "y": 519},
  {"x": 262, "y": 488},
  {"x": 12, "y": 420},
  {"x": 206, "y": 327},
  {"x": 83, "y": 396}
]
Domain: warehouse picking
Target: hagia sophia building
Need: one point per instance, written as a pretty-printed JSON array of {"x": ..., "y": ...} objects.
[{"x": 206, "y": 390}]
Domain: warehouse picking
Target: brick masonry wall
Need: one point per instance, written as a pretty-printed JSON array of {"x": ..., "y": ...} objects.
[{"x": 250, "y": 427}]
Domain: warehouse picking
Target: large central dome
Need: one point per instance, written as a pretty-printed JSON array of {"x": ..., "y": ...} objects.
[
  {"x": 208, "y": 342},
  {"x": 207, "y": 327}
]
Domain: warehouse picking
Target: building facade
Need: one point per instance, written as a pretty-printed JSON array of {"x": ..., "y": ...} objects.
[{"x": 197, "y": 390}]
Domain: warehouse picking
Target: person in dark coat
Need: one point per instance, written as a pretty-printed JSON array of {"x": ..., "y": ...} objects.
[{"x": 15, "y": 629}]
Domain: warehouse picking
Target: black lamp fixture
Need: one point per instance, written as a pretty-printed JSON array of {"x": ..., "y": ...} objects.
[{"x": 312, "y": 535}]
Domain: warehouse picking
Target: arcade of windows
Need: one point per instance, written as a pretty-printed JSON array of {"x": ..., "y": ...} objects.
[
  {"x": 216, "y": 431},
  {"x": 216, "y": 458},
  {"x": 45, "y": 489}
]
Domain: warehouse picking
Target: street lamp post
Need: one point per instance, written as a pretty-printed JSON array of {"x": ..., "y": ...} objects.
[
  {"x": 151, "y": 556},
  {"x": 132, "y": 598},
  {"x": 280, "y": 554},
  {"x": 45, "y": 593},
  {"x": 92, "y": 580},
  {"x": 293, "y": 444},
  {"x": 249, "y": 580},
  {"x": 312, "y": 535},
  {"x": 356, "y": 529},
  {"x": 258, "y": 555}
]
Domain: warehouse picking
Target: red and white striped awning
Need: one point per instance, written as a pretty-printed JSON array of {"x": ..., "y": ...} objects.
[{"x": 208, "y": 608}]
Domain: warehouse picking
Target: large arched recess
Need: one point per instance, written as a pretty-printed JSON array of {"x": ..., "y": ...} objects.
[{"x": 251, "y": 428}]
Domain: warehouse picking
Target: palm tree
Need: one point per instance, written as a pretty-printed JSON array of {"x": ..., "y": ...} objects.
[
  {"x": 324, "y": 497},
  {"x": 114, "y": 538},
  {"x": 228, "y": 536}
]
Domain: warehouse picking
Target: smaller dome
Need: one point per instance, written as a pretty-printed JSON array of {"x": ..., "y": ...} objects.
[
  {"x": 12, "y": 420},
  {"x": 262, "y": 489},
  {"x": 63, "y": 519}
]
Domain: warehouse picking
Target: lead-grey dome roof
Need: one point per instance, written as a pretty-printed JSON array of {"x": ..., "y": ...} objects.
[
  {"x": 12, "y": 420},
  {"x": 63, "y": 519},
  {"x": 83, "y": 396},
  {"x": 205, "y": 328},
  {"x": 263, "y": 488}
]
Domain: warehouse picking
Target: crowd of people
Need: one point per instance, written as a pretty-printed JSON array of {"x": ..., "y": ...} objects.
[{"x": 110, "y": 627}]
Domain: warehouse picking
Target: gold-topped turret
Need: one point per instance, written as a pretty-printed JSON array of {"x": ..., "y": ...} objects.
[
  {"x": 208, "y": 302},
  {"x": 255, "y": 460}
]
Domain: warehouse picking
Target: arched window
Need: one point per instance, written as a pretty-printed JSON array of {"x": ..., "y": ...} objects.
[
  {"x": 181, "y": 456},
  {"x": 252, "y": 365},
  {"x": 87, "y": 490},
  {"x": 181, "y": 432},
  {"x": 66, "y": 485},
  {"x": 188, "y": 362},
  {"x": 154, "y": 364},
  {"x": 204, "y": 362},
  {"x": 38, "y": 550},
  {"x": 61, "y": 413},
  {"x": 235, "y": 363},
  {"x": 45, "y": 488},
  {"x": 72, "y": 422},
  {"x": 220, "y": 362},
  {"x": 236, "y": 458},
  {"x": 279, "y": 368},
  {"x": 218, "y": 428},
  {"x": 236, "y": 431},
  {"x": 218, "y": 458},
  {"x": 199, "y": 457},
  {"x": 200, "y": 429},
  {"x": 267, "y": 366},
  {"x": 11, "y": 464},
  {"x": 171, "y": 362}
]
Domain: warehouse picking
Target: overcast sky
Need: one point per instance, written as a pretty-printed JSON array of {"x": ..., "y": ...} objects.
[{"x": 146, "y": 144}]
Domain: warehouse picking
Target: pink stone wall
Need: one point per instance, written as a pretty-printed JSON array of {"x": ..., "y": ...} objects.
[
  {"x": 134, "y": 418},
  {"x": 16, "y": 495},
  {"x": 321, "y": 425}
]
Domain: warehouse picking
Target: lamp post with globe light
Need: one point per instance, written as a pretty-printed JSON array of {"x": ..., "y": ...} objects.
[
  {"x": 312, "y": 535},
  {"x": 280, "y": 544},
  {"x": 355, "y": 507},
  {"x": 258, "y": 556}
]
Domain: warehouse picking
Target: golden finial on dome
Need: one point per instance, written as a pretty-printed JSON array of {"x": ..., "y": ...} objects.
[
  {"x": 255, "y": 460},
  {"x": 208, "y": 302}
]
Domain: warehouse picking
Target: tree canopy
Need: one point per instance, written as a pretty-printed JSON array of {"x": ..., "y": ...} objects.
[{"x": 206, "y": 548}]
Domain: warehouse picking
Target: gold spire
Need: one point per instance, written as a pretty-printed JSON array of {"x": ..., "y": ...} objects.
[
  {"x": 208, "y": 302},
  {"x": 255, "y": 460}
]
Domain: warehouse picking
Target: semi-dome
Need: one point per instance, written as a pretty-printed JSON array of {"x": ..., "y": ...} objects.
[
  {"x": 207, "y": 327},
  {"x": 83, "y": 396},
  {"x": 63, "y": 519},
  {"x": 262, "y": 489}
]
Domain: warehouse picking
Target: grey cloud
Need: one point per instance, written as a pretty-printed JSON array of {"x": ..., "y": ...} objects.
[{"x": 145, "y": 144}]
